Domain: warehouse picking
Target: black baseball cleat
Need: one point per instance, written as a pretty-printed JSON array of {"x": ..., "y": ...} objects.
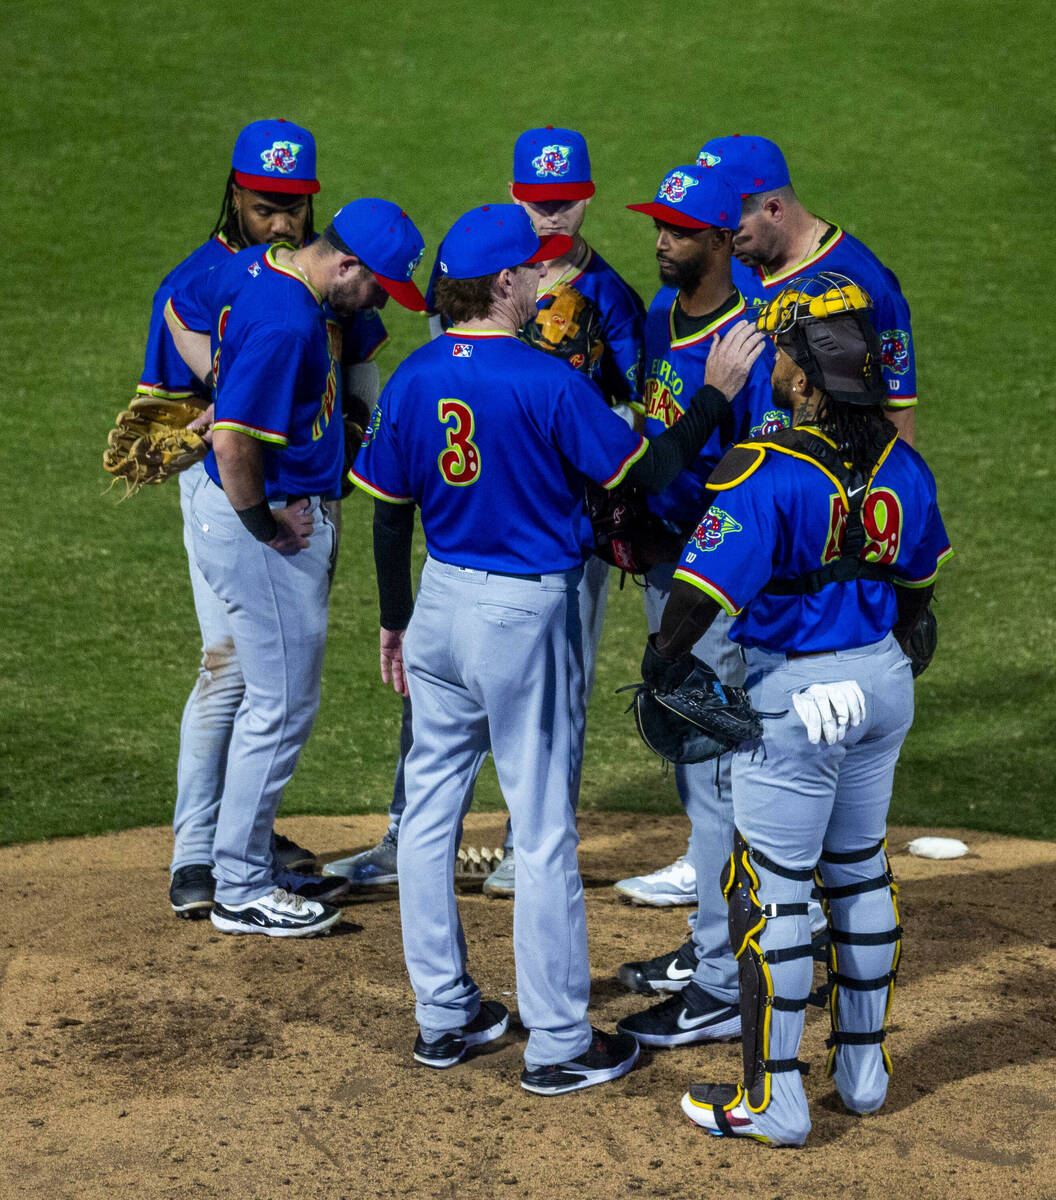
[
  {"x": 312, "y": 887},
  {"x": 191, "y": 891},
  {"x": 690, "y": 1016},
  {"x": 608, "y": 1056},
  {"x": 277, "y": 914},
  {"x": 288, "y": 855},
  {"x": 490, "y": 1023},
  {"x": 665, "y": 973}
]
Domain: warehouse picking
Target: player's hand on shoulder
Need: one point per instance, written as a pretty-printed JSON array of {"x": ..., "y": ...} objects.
[
  {"x": 731, "y": 358},
  {"x": 295, "y": 528},
  {"x": 392, "y": 660}
]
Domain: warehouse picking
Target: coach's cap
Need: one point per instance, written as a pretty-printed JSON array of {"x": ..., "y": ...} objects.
[
  {"x": 751, "y": 163},
  {"x": 694, "y": 198},
  {"x": 551, "y": 164},
  {"x": 384, "y": 237},
  {"x": 493, "y": 237},
  {"x": 275, "y": 156}
]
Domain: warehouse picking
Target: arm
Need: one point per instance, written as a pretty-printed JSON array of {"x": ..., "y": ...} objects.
[
  {"x": 240, "y": 461},
  {"x": 902, "y": 419},
  {"x": 727, "y": 369},
  {"x": 393, "y": 535},
  {"x": 193, "y": 347}
]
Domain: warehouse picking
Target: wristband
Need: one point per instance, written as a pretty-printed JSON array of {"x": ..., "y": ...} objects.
[{"x": 259, "y": 520}]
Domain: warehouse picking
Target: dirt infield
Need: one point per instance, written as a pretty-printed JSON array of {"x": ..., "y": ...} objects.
[{"x": 149, "y": 1057}]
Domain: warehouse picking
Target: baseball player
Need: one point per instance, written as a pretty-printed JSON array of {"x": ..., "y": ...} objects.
[
  {"x": 492, "y": 441},
  {"x": 778, "y": 239},
  {"x": 552, "y": 183},
  {"x": 696, "y": 212},
  {"x": 262, "y": 537},
  {"x": 823, "y": 542},
  {"x": 268, "y": 199}
]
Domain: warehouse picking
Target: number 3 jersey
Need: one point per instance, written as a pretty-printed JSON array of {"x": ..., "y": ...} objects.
[
  {"x": 493, "y": 440},
  {"x": 784, "y": 516}
]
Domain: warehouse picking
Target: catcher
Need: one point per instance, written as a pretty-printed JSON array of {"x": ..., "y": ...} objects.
[{"x": 823, "y": 542}]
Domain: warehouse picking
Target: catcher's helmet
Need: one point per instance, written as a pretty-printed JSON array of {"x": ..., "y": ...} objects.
[{"x": 824, "y": 324}]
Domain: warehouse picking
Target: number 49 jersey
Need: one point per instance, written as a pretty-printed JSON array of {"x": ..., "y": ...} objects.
[
  {"x": 784, "y": 516},
  {"x": 493, "y": 440}
]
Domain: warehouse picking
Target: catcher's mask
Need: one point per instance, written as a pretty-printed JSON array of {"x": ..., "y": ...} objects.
[{"x": 824, "y": 324}]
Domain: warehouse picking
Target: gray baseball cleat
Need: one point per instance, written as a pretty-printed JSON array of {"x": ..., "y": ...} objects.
[
  {"x": 370, "y": 868},
  {"x": 501, "y": 881}
]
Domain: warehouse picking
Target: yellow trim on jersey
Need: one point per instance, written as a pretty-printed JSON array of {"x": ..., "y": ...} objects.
[
  {"x": 377, "y": 493},
  {"x": 944, "y": 557},
  {"x": 261, "y": 435},
  {"x": 709, "y": 589},
  {"x": 707, "y": 331},
  {"x": 157, "y": 392},
  {"x": 900, "y": 402},
  {"x": 625, "y": 466},
  {"x": 176, "y": 316},
  {"x": 454, "y": 331},
  {"x": 799, "y": 268},
  {"x": 565, "y": 277},
  {"x": 289, "y": 272}
]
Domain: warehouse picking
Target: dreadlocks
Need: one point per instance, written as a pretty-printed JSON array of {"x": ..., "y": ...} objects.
[
  {"x": 229, "y": 223},
  {"x": 860, "y": 432}
]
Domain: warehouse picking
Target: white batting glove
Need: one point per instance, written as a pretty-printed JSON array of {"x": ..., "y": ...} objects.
[{"x": 829, "y": 709}]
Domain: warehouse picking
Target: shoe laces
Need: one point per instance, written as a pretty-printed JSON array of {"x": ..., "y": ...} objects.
[{"x": 288, "y": 899}]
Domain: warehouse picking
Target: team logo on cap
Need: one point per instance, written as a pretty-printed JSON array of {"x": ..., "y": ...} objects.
[
  {"x": 713, "y": 529},
  {"x": 894, "y": 351},
  {"x": 675, "y": 187},
  {"x": 552, "y": 161},
  {"x": 706, "y": 159},
  {"x": 281, "y": 157},
  {"x": 412, "y": 266}
]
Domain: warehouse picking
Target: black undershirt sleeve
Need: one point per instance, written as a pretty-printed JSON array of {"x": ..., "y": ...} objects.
[
  {"x": 688, "y": 614},
  {"x": 670, "y": 453},
  {"x": 393, "y": 535}
]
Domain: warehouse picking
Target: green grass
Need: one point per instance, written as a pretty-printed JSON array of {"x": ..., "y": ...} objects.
[{"x": 926, "y": 131}]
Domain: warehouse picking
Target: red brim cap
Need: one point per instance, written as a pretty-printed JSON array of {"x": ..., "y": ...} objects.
[
  {"x": 669, "y": 216},
  {"x": 551, "y": 247},
  {"x": 268, "y": 183},
  {"x": 553, "y": 191},
  {"x": 404, "y": 292}
]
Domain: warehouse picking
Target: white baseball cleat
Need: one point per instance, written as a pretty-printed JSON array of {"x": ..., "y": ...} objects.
[
  {"x": 278, "y": 914},
  {"x": 674, "y": 884}
]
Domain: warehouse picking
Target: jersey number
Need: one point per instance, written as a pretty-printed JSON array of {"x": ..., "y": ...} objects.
[
  {"x": 460, "y": 462},
  {"x": 882, "y": 520}
]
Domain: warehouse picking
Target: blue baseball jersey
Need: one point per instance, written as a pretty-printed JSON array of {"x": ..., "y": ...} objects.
[
  {"x": 164, "y": 371},
  {"x": 847, "y": 255},
  {"x": 674, "y": 371},
  {"x": 202, "y": 301},
  {"x": 493, "y": 440},
  {"x": 786, "y": 515},
  {"x": 278, "y": 381},
  {"x": 622, "y": 324}
]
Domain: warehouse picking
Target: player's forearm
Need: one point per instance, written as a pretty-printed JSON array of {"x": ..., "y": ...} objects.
[
  {"x": 904, "y": 421},
  {"x": 393, "y": 535},
  {"x": 673, "y": 451},
  {"x": 688, "y": 614},
  {"x": 240, "y": 461},
  {"x": 192, "y": 347}
]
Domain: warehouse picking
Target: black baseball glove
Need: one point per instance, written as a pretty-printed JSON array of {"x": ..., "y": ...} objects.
[
  {"x": 920, "y": 642},
  {"x": 686, "y": 714}
]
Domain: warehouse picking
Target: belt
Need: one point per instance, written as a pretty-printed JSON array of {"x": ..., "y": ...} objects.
[{"x": 807, "y": 653}]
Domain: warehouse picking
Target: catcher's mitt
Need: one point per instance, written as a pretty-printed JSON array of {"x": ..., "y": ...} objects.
[
  {"x": 568, "y": 326},
  {"x": 626, "y": 533},
  {"x": 150, "y": 441},
  {"x": 700, "y": 719}
]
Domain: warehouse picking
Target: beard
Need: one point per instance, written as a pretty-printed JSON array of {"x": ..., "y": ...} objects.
[
  {"x": 782, "y": 390},
  {"x": 682, "y": 275}
]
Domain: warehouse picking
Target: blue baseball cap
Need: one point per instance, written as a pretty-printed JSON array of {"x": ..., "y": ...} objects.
[
  {"x": 275, "y": 156},
  {"x": 694, "y": 198},
  {"x": 383, "y": 236},
  {"x": 493, "y": 237},
  {"x": 751, "y": 163},
  {"x": 551, "y": 164}
]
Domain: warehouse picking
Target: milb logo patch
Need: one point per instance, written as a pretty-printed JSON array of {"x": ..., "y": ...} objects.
[{"x": 462, "y": 350}]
